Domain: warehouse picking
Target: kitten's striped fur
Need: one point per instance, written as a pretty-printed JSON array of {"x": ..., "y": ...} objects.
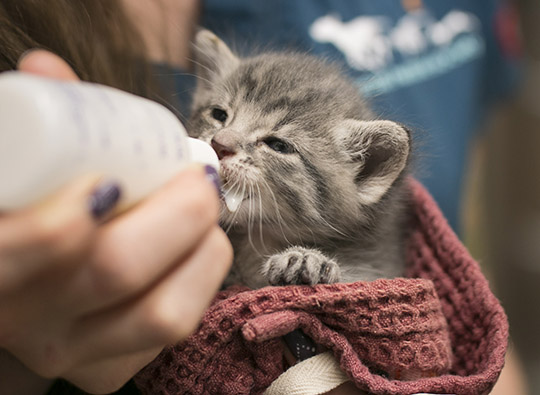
[{"x": 323, "y": 179}]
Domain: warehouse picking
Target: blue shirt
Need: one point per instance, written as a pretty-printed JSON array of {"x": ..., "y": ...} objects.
[{"x": 436, "y": 69}]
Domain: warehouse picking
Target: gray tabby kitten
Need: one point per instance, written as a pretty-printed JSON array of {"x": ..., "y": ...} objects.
[{"x": 319, "y": 180}]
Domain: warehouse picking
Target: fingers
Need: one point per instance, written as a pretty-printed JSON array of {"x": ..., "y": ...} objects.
[
  {"x": 167, "y": 314},
  {"x": 195, "y": 285},
  {"x": 164, "y": 310},
  {"x": 40, "y": 249},
  {"x": 44, "y": 236},
  {"x": 133, "y": 251},
  {"x": 46, "y": 64},
  {"x": 181, "y": 258}
]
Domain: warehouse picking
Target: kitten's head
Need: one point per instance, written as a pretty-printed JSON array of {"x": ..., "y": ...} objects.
[{"x": 294, "y": 137}]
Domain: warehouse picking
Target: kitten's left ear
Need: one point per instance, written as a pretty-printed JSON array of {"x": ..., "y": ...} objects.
[
  {"x": 213, "y": 58},
  {"x": 380, "y": 149}
]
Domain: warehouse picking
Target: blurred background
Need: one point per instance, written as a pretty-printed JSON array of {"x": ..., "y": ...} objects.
[{"x": 502, "y": 215}]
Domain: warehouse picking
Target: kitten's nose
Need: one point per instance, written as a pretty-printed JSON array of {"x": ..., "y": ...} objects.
[{"x": 222, "y": 150}]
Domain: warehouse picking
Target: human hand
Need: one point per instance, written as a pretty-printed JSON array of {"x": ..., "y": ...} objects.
[{"x": 94, "y": 301}]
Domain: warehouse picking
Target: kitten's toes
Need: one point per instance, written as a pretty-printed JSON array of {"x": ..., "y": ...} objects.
[
  {"x": 329, "y": 273},
  {"x": 301, "y": 266}
]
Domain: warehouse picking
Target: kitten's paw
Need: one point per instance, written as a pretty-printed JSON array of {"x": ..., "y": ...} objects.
[{"x": 299, "y": 265}]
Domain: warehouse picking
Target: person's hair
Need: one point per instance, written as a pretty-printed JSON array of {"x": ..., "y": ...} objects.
[{"x": 94, "y": 36}]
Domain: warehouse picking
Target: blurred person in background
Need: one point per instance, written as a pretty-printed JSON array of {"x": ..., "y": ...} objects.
[{"x": 509, "y": 201}]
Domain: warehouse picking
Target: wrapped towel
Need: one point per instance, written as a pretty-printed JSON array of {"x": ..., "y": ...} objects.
[{"x": 439, "y": 331}]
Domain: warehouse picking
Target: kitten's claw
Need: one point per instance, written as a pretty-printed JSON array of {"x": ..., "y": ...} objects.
[{"x": 299, "y": 265}]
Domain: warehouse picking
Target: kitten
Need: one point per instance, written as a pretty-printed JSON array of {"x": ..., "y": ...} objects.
[{"x": 320, "y": 180}]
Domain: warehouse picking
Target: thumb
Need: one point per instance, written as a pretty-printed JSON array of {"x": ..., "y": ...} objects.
[{"x": 46, "y": 64}]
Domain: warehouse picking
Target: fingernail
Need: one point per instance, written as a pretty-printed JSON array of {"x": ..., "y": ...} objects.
[
  {"x": 301, "y": 346},
  {"x": 213, "y": 176},
  {"x": 104, "y": 199}
]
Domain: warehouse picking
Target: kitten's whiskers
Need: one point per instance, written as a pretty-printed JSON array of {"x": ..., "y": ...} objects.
[
  {"x": 260, "y": 217},
  {"x": 328, "y": 224},
  {"x": 250, "y": 219},
  {"x": 279, "y": 219}
]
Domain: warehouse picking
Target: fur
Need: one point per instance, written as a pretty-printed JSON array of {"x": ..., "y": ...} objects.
[{"x": 320, "y": 177}]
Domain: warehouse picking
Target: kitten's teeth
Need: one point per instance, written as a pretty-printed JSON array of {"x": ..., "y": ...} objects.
[{"x": 232, "y": 199}]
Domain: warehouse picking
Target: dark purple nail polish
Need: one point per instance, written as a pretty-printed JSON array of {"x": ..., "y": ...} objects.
[
  {"x": 213, "y": 176},
  {"x": 104, "y": 198},
  {"x": 300, "y": 345}
]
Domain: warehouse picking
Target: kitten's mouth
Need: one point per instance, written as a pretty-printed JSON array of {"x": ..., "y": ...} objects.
[{"x": 232, "y": 197}]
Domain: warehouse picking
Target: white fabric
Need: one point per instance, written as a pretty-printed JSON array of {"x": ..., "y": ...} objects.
[{"x": 316, "y": 375}]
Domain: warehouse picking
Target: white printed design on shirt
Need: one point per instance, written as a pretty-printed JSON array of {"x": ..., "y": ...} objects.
[
  {"x": 368, "y": 42},
  {"x": 427, "y": 47}
]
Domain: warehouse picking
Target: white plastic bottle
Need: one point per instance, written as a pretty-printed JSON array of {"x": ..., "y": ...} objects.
[{"x": 52, "y": 131}]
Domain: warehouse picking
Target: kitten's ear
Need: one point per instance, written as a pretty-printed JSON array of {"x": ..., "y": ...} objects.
[
  {"x": 213, "y": 58},
  {"x": 381, "y": 151}
]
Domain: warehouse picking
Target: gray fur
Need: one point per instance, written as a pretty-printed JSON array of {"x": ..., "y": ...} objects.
[{"x": 327, "y": 206}]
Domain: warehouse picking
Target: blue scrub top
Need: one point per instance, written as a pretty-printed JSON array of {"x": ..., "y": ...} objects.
[{"x": 435, "y": 69}]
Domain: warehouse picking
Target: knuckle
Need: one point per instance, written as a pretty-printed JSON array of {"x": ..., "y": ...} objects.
[
  {"x": 46, "y": 233},
  {"x": 170, "y": 323},
  {"x": 110, "y": 281},
  {"x": 110, "y": 267},
  {"x": 60, "y": 234}
]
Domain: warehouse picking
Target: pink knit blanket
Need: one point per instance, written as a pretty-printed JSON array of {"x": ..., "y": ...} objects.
[{"x": 440, "y": 330}]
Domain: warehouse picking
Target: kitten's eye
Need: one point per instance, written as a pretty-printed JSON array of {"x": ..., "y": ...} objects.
[
  {"x": 219, "y": 115},
  {"x": 279, "y": 145}
]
